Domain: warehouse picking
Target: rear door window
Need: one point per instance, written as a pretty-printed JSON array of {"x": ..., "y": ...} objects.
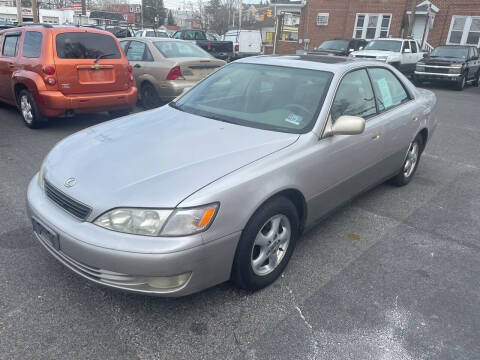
[
  {"x": 32, "y": 44},
  {"x": 84, "y": 45},
  {"x": 175, "y": 49},
  {"x": 405, "y": 46},
  {"x": 178, "y": 35},
  {"x": 10, "y": 46},
  {"x": 389, "y": 91},
  {"x": 136, "y": 51},
  {"x": 413, "y": 46}
]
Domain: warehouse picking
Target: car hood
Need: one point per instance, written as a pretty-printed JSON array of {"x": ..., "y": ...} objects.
[
  {"x": 441, "y": 61},
  {"x": 155, "y": 158},
  {"x": 375, "y": 53}
]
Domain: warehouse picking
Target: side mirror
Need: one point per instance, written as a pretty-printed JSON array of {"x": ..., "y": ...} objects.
[
  {"x": 425, "y": 55},
  {"x": 407, "y": 51},
  {"x": 360, "y": 48},
  {"x": 346, "y": 125}
]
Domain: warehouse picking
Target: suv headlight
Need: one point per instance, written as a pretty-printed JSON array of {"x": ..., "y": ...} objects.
[
  {"x": 41, "y": 174},
  {"x": 382, "y": 58},
  {"x": 159, "y": 222},
  {"x": 420, "y": 67},
  {"x": 455, "y": 69}
]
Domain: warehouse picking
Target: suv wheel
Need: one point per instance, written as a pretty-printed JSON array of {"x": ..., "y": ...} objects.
[
  {"x": 411, "y": 162},
  {"x": 476, "y": 82},
  {"x": 30, "y": 113},
  {"x": 462, "y": 82},
  {"x": 266, "y": 244}
]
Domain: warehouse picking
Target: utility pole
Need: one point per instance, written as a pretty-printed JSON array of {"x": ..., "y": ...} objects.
[
  {"x": 35, "y": 12},
  {"x": 19, "y": 12}
]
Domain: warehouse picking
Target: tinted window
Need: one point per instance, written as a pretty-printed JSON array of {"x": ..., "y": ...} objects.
[
  {"x": 387, "y": 45},
  {"x": 10, "y": 46},
  {"x": 32, "y": 44},
  {"x": 173, "y": 49},
  {"x": 340, "y": 45},
  {"x": 157, "y": 34},
  {"x": 135, "y": 51},
  {"x": 413, "y": 46},
  {"x": 389, "y": 91},
  {"x": 406, "y": 45},
  {"x": 83, "y": 45},
  {"x": 450, "y": 52},
  {"x": 268, "y": 97},
  {"x": 354, "y": 96},
  {"x": 178, "y": 35}
]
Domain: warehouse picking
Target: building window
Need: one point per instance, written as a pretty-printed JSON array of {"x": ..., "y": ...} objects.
[
  {"x": 464, "y": 30},
  {"x": 372, "y": 26},
  {"x": 322, "y": 19},
  {"x": 50, "y": 20}
]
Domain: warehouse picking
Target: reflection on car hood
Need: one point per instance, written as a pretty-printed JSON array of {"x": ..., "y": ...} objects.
[
  {"x": 375, "y": 53},
  {"x": 155, "y": 158}
]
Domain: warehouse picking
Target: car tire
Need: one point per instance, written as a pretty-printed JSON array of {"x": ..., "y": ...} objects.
[
  {"x": 149, "y": 96},
  {"x": 31, "y": 116},
  {"x": 410, "y": 165},
  {"x": 119, "y": 113},
  {"x": 270, "y": 234},
  {"x": 476, "y": 82},
  {"x": 462, "y": 82}
]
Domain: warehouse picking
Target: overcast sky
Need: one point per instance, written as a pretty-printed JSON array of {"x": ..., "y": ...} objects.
[{"x": 175, "y": 4}]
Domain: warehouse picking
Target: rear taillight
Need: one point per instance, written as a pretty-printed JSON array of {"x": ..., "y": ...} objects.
[
  {"x": 51, "y": 81},
  {"x": 49, "y": 70},
  {"x": 209, "y": 46},
  {"x": 129, "y": 68},
  {"x": 131, "y": 78},
  {"x": 175, "y": 73},
  {"x": 236, "y": 47}
]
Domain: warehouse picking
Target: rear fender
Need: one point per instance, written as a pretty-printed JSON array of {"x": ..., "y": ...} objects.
[{"x": 32, "y": 81}]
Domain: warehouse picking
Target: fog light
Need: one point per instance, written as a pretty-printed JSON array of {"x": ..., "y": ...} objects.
[{"x": 168, "y": 282}]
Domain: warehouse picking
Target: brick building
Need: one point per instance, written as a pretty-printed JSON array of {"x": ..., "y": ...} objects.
[{"x": 435, "y": 21}]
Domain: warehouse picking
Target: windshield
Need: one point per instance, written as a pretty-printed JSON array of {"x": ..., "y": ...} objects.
[
  {"x": 84, "y": 45},
  {"x": 176, "y": 49},
  {"x": 340, "y": 45},
  {"x": 212, "y": 37},
  {"x": 156, "y": 34},
  {"x": 450, "y": 52},
  {"x": 263, "y": 96},
  {"x": 385, "y": 45}
]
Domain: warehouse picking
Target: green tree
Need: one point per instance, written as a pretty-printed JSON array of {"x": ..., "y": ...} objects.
[
  {"x": 170, "y": 19},
  {"x": 153, "y": 12}
]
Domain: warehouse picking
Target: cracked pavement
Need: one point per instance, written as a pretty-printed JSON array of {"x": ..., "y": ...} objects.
[{"x": 393, "y": 275}]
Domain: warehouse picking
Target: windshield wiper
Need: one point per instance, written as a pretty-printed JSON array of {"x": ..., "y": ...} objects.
[
  {"x": 101, "y": 57},
  {"x": 174, "y": 105}
]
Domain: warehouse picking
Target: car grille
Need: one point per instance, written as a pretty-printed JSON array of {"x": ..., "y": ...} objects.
[
  {"x": 366, "y": 56},
  {"x": 74, "y": 207},
  {"x": 436, "y": 70}
]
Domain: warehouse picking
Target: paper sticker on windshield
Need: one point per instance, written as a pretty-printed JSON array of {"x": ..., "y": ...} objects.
[
  {"x": 294, "y": 119},
  {"x": 385, "y": 91}
]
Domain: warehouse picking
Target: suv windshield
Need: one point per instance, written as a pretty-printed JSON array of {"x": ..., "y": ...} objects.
[
  {"x": 84, "y": 45},
  {"x": 154, "y": 33},
  {"x": 385, "y": 45},
  {"x": 175, "y": 49},
  {"x": 262, "y": 96},
  {"x": 450, "y": 52},
  {"x": 340, "y": 45}
]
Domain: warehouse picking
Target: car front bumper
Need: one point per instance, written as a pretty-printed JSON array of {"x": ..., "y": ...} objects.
[
  {"x": 429, "y": 76},
  {"x": 205, "y": 265},
  {"x": 55, "y": 103}
]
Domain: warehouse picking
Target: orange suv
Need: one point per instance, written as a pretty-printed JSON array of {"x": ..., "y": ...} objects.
[{"x": 50, "y": 71}]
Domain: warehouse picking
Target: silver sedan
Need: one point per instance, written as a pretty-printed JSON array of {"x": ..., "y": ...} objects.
[{"x": 221, "y": 183}]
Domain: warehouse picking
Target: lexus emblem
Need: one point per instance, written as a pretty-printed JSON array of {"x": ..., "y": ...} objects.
[{"x": 70, "y": 182}]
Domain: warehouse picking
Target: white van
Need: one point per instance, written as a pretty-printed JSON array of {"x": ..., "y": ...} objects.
[{"x": 245, "y": 42}]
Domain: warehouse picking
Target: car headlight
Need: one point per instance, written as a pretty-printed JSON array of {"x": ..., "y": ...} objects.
[
  {"x": 382, "y": 58},
  {"x": 455, "y": 69},
  {"x": 159, "y": 222},
  {"x": 420, "y": 67},
  {"x": 41, "y": 174}
]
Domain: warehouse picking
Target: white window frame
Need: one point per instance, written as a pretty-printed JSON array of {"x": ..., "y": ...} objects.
[
  {"x": 465, "y": 31},
  {"x": 325, "y": 16},
  {"x": 378, "y": 29}
]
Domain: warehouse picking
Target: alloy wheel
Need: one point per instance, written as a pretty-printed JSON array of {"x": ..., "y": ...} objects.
[
  {"x": 411, "y": 161},
  {"x": 26, "y": 109},
  {"x": 270, "y": 245}
]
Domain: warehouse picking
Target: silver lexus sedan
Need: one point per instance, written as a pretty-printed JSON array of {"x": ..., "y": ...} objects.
[{"x": 220, "y": 183}]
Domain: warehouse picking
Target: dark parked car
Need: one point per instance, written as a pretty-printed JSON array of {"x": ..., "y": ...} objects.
[
  {"x": 340, "y": 47},
  {"x": 456, "y": 64},
  {"x": 219, "y": 49}
]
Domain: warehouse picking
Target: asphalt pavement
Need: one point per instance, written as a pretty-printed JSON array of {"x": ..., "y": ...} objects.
[{"x": 394, "y": 275}]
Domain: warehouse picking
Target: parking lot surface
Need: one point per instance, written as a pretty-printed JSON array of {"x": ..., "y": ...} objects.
[{"x": 393, "y": 275}]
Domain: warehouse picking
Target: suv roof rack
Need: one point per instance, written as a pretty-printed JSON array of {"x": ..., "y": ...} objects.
[{"x": 35, "y": 24}]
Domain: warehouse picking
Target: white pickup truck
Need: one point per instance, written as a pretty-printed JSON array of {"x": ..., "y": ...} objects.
[{"x": 401, "y": 53}]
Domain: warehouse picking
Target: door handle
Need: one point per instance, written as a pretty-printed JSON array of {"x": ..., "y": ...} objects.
[
  {"x": 376, "y": 136},
  {"x": 137, "y": 66}
]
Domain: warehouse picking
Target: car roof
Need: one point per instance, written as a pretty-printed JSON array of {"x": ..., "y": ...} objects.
[
  {"x": 313, "y": 62},
  {"x": 151, "y": 38}
]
